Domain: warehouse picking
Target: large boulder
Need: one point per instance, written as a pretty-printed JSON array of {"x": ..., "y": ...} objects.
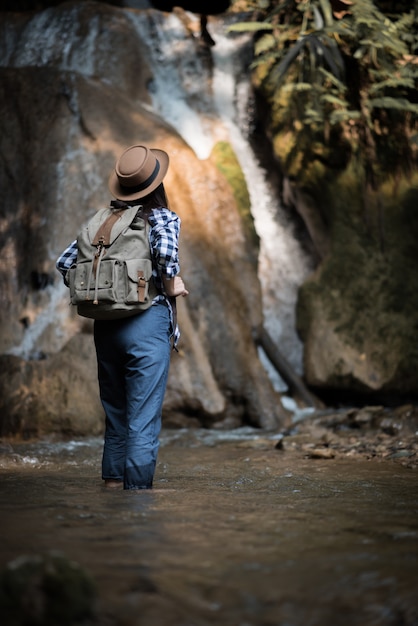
[{"x": 358, "y": 314}]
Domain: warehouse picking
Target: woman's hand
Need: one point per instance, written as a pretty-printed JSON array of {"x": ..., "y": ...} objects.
[{"x": 175, "y": 287}]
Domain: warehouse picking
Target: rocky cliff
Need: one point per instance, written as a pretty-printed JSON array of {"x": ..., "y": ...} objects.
[{"x": 74, "y": 95}]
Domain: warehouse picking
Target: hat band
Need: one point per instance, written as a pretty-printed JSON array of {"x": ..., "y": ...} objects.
[{"x": 146, "y": 183}]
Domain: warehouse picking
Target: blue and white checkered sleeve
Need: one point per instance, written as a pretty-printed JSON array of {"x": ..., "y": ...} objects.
[
  {"x": 67, "y": 258},
  {"x": 164, "y": 238}
]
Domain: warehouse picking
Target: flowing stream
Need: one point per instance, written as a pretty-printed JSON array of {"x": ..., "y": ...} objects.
[{"x": 234, "y": 533}]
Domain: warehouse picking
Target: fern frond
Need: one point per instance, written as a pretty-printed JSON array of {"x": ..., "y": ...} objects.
[
  {"x": 313, "y": 116},
  {"x": 249, "y": 27},
  {"x": 327, "y": 12},
  {"x": 299, "y": 87},
  {"x": 318, "y": 19},
  {"x": 392, "y": 83},
  {"x": 292, "y": 54},
  {"x": 334, "y": 100},
  {"x": 341, "y": 116},
  {"x": 265, "y": 44},
  {"x": 400, "y": 104},
  {"x": 329, "y": 77}
]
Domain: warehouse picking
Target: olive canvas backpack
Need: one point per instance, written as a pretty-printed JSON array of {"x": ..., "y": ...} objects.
[{"x": 112, "y": 277}]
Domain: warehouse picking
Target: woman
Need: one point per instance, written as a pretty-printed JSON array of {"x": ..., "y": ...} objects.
[{"x": 133, "y": 353}]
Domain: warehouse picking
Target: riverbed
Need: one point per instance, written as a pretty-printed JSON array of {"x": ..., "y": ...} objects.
[{"x": 236, "y": 532}]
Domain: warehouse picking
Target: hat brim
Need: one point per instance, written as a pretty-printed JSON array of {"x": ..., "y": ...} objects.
[{"x": 121, "y": 193}]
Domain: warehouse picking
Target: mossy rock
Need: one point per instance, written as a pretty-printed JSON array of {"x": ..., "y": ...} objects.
[
  {"x": 358, "y": 314},
  {"x": 45, "y": 590},
  {"x": 227, "y": 163}
]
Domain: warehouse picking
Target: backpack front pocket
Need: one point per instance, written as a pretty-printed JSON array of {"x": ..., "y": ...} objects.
[
  {"x": 139, "y": 274},
  {"x": 109, "y": 286}
]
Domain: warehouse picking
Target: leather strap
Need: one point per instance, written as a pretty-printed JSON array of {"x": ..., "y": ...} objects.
[
  {"x": 142, "y": 283},
  {"x": 102, "y": 236}
]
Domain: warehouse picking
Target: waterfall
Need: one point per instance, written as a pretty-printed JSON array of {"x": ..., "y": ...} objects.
[
  {"x": 181, "y": 94},
  {"x": 180, "y": 87}
]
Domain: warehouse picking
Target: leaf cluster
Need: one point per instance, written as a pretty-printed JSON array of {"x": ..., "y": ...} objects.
[{"x": 340, "y": 72}]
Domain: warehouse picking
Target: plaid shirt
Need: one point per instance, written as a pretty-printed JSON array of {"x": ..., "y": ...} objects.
[{"x": 163, "y": 237}]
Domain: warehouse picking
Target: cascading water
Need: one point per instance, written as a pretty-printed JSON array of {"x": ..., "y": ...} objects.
[
  {"x": 181, "y": 95},
  {"x": 180, "y": 88}
]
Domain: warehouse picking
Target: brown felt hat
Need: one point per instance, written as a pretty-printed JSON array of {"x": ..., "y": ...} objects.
[{"x": 138, "y": 171}]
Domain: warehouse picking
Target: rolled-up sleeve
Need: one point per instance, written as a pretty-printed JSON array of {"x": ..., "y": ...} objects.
[
  {"x": 164, "y": 237},
  {"x": 67, "y": 259}
]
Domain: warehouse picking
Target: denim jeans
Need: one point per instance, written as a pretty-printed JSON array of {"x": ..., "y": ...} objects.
[{"x": 133, "y": 357}]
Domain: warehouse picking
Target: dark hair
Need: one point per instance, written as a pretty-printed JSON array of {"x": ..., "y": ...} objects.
[{"x": 157, "y": 199}]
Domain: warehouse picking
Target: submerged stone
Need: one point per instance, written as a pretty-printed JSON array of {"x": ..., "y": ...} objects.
[{"x": 45, "y": 590}]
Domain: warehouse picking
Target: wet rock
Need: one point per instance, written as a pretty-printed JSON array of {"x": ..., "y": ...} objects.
[
  {"x": 45, "y": 590},
  {"x": 359, "y": 332},
  {"x": 321, "y": 453},
  {"x": 58, "y": 395},
  {"x": 370, "y": 432},
  {"x": 176, "y": 420},
  {"x": 294, "y": 442},
  {"x": 401, "y": 454}
]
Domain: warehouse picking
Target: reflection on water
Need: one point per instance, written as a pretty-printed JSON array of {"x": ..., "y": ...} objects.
[{"x": 235, "y": 532}]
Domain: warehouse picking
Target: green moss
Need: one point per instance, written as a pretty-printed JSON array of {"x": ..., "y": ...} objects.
[
  {"x": 227, "y": 163},
  {"x": 368, "y": 285}
]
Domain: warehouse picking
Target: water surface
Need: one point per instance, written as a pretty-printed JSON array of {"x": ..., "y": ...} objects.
[{"x": 235, "y": 532}]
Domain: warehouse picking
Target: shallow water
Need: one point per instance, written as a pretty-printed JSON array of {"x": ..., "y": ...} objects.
[{"x": 235, "y": 532}]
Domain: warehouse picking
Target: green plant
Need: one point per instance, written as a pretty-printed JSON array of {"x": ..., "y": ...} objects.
[{"x": 340, "y": 76}]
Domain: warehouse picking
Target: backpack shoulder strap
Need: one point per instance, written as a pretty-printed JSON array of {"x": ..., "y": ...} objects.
[
  {"x": 111, "y": 229},
  {"x": 102, "y": 236}
]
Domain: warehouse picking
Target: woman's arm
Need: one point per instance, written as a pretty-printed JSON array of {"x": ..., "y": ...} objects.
[
  {"x": 175, "y": 287},
  {"x": 164, "y": 237},
  {"x": 67, "y": 259}
]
